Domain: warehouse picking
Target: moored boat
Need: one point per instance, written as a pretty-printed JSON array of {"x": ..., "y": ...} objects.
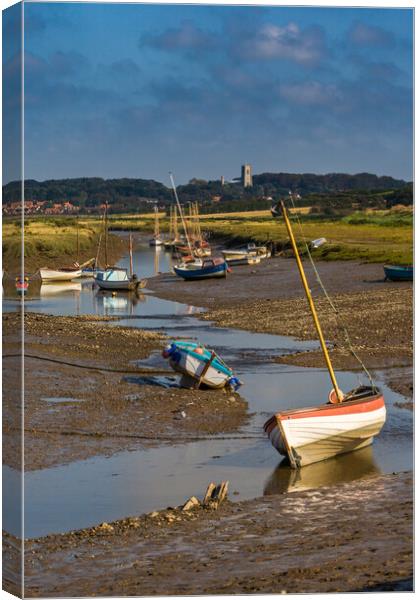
[
  {"x": 22, "y": 284},
  {"x": 156, "y": 239},
  {"x": 345, "y": 423},
  {"x": 62, "y": 274},
  {"x": 309, "y": 435},
  {"x": 204, "y": 366},
  {"x": 206, "y": 269},
  {"x": 399, "y": 272},
  {"x": 117, "y": 278},
  {"x": 244, "y": 252}
]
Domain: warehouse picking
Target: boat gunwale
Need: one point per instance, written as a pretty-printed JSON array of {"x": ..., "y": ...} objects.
[{"x": 316, "y": 411}]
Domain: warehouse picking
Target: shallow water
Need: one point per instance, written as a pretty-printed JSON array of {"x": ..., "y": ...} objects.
[{"x": 87, "y": 492}]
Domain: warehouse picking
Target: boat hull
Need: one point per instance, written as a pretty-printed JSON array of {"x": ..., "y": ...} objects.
[
  {"x": 59, "y": 275},
  {"x": 199, "y": 364},
  {"x": 117, "y": 285},
  {"x": 396, "y": 273},
  {"x": 311, "y": 435},
  {"x": 204, "y": 272}
]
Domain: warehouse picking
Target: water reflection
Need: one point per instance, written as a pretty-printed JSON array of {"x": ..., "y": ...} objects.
[
  {"x": 340, "y": 469},
  {"x": 54, "y": 288},
  {"x": 109, "y": 303}
]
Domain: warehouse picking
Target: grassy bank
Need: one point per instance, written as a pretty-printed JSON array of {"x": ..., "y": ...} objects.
[
  {"x": 53, "y": 243},
  {"x": 371, "y": 236}
]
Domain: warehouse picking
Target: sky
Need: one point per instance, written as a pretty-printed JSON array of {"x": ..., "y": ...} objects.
[{"x": 123, "y": 90}]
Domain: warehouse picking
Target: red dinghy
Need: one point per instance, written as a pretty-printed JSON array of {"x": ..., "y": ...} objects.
[{"x": 345, "y": 423}]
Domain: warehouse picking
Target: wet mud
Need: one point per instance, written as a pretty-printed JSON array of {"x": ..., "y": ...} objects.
[
  {"x": 334, "y": 539},
  {"x": 84, "y": 397}
]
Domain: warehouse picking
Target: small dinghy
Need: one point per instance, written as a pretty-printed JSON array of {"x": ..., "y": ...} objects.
[
  {"x": 204, "y": 366},
  {"x": 208, "y": 268},
  {"x": 246, "y": 254},
  {"x": 21, "y": 284},
  {"x": 156, "y": 239},
  {"x": 63, "y": 274},
  {"x": 399, "y": 273},
  {"x": 345, "y": 423}
]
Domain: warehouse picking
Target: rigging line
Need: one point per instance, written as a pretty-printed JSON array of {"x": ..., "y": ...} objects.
[
  {"x": 335, "y": 310},
  {"x": 92, "y": 367}
]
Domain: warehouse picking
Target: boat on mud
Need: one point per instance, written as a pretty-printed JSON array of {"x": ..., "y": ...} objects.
[
  {"x": 201, "y": 365},
  {"x": 345, "y": 423},
  {"x": 206, "y": 268},
  {"x": 245, "y": 254},
  {"x": 399, "y": 272}
]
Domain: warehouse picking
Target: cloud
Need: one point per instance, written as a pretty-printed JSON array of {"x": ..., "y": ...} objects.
[
  {"x": 311, "y": 93},
  {"x": 303, "y": 46},
  {"x": 362, "y": 34},
  {"x": 187, "y": 38}
]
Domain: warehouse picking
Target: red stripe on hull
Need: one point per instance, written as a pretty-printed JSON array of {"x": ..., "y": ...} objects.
[{"x": 328, "y": 410}]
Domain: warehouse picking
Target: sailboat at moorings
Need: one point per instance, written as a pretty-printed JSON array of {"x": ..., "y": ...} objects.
[
  {"x": 63, "y": 273},
  {"x": 196, "y": 268},
  {"x": 117, "y": 278},
  {"x": 156, "y": 239},
  {"x": 173, "y": 229},
  {"x": 345, "y": 423}
]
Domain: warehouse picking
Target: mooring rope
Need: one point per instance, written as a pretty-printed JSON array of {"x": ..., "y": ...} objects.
[{"x": 337, "y": 315}]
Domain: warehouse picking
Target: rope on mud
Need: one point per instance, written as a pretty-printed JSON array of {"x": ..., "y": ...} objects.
[
  {"x": 334, "y": 308},
  {"x": 91, "y": 367}
]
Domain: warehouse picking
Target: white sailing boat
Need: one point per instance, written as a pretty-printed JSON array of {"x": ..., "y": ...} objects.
[{"x": 345, "y": 423}]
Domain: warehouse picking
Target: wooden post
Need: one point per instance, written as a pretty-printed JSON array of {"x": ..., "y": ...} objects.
[{"x": 311, "y": 304}]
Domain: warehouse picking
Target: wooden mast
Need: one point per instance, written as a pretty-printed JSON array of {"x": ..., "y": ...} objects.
[
  {"x": 175, "y": 225},
  {"x": 180, "y": 213},
  {"x": 131, "y": 256},
  {"x": 156, "y": 223},
  {"x": 106, "y": 235},
  {"x": 78, "y": 243},
  {"x": 338, "y": 392}
]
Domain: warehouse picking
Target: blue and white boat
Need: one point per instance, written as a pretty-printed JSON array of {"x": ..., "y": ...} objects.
[
  {"x": 205, "y": 269},
  {"x": 202, "y": 365},
  {"x": 117, "y": 278},
  {"x": 399, "y": 273}
]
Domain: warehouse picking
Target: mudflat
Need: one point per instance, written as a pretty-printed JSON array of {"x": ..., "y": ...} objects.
[
  {"x": 85, "y": 396},
  {"x": 355, "y": 536},
  {"x": 347, "y": 538}
]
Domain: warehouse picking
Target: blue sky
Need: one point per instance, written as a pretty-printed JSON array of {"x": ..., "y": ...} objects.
[{"x": 139, "y": 90}]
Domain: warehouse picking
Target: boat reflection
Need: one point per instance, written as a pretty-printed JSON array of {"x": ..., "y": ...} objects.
[
  {"x": 51, "y": 289},
  {"x": 16, "y": 287},
  {"x": 340, "y": 469},
  {"x": 111, "y": 303}
]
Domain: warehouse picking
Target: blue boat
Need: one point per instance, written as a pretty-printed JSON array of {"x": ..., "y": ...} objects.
[
  {"x": 399, "y": 273},
  {"x": 208, "y": 268},
  {"x": 200, "y": 364}
]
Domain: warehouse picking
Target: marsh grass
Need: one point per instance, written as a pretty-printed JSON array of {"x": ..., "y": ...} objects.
[
  {"x": 368, "y": 236},
  {"x": 48, "y": 242}
]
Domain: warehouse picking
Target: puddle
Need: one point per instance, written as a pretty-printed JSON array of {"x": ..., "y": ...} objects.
[
  {"x": 62, "y": 400},
  {"x": 87, "y": 492}
]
